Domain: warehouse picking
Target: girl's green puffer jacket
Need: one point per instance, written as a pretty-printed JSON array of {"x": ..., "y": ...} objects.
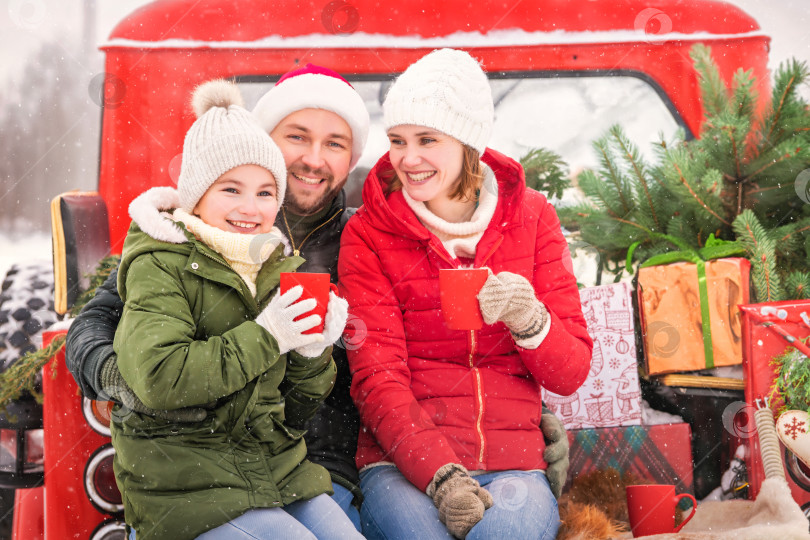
[{"x": 187, "y": 337}]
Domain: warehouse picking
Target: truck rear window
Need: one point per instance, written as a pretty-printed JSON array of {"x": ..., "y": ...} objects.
[{"x": 563, "y": 114}]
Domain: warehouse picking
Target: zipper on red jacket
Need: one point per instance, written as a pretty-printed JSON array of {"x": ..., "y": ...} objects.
[
  {"x": 479, "y": 398},
  {"x": 491, "y": 251},
  {"x": 478, "y": 385},
  {"x": 440, "y": 254}
]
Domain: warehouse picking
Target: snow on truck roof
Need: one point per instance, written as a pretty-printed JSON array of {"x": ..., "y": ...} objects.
[{"x": 270, "y": 24}]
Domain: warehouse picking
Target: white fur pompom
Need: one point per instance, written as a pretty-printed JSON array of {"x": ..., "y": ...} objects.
[{"x": 216, "y": 93}]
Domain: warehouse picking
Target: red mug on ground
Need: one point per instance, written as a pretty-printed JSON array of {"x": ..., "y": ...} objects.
[
  {"x": 651, "y": 509},
  {"x": 316, "y": 285},
  {"x": 458, "y": 293}
]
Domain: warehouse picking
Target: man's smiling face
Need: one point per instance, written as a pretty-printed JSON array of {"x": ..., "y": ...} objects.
[{"x": 317, "y": 148}]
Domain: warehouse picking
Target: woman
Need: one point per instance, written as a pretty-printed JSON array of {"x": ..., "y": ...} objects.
[{"x": 450, "y": 444}]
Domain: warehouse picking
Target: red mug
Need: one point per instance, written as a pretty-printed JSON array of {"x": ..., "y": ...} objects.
[
  {"x": 458, "y": 293},
  {"x": 316, "y": 285},
  {"x": 651, "y": 509}
]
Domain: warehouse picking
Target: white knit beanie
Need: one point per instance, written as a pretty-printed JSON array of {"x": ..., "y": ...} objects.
[
  {"x": 316, "y": 87},
  {"x": 445, "y": 90},
  {"x": 224, "y": 136}
]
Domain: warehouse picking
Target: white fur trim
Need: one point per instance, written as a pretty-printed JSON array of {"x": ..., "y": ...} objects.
[
  {"x": 146, "y": 209},
  {"x": 287, "y": 245},
  {"x": 316, "y": 91}
]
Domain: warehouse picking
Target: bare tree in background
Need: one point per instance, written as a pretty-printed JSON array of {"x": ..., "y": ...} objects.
[{"x": 49, "y": 142}]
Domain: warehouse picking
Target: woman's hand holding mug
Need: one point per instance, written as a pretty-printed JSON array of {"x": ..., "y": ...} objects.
[{"x": 510, "y": 298}]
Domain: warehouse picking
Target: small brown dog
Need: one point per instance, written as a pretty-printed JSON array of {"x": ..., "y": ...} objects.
[{"x": 595, "y": 506}]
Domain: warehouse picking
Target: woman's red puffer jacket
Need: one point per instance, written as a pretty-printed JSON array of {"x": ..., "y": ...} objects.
[{"x": 428, "y": 395}]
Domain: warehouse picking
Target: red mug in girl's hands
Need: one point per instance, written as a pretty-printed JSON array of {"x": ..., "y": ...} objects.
[
  {"x": 651, "y": 509},
  {"x": 316, "y": 285},
  {"x": 458, "y": 293}
]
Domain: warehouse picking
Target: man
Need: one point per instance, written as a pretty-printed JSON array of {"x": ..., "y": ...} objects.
[{"x": 320, "y": 123}]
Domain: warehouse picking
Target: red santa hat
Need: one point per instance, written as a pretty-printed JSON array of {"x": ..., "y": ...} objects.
[{"x": 315, "y": 87}]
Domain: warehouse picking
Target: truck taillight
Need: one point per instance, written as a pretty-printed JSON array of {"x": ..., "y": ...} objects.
[
  {"x": 34, "y": 450},
  {"x": 97, "y": 414},
  {"x": 21, "y": 450},
  {"x": 99, "y": 481},
  {"x": 8, "y": 449},
  {"x": 110, "y": 530}
]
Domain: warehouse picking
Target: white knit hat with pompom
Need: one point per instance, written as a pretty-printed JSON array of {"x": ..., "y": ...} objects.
[{"x": 224, "y": 136}]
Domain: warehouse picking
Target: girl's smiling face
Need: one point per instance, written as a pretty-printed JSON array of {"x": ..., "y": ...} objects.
[{"x": 242, "y": 200}]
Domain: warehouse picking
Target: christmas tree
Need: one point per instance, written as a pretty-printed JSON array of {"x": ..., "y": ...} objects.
[{"x": 743, "y": 181}]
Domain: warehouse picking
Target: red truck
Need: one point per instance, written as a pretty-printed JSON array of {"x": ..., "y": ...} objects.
[{"x": 561, "y": 73}]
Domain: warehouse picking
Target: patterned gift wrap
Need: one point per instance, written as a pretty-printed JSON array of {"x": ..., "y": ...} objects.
[
  {"x": 610, "y": 396},
  {"x": 660, "y": 454}
]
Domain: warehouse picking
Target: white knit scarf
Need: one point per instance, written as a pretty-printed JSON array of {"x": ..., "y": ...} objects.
[
  {"x": 461, "y": 239},
  {"x": 246, "y": 253}
]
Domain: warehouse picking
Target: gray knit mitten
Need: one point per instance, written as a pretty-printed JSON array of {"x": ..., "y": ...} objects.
[
  {"x": 556, "y": 452},
  {"x": 115, "y": 388},
  {"x": 510, "y": 298},
  {"x": 459, "y": 497}
]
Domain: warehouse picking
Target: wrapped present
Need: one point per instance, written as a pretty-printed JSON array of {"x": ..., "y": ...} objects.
[
  {"x": 610, "y": 395},
  {"x": 689, "y": 316},
  {"x": 661, "y": 454},
  {"x": 768, "y": 329}
]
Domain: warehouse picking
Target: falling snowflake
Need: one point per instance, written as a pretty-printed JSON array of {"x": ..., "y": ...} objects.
[{"x": 794, "y": 428}]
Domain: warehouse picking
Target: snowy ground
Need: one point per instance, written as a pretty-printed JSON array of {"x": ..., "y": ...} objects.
[{"x": 29, "y": 248}]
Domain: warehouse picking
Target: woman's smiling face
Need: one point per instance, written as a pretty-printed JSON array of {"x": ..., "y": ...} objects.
[{"x": 427, "y": 162}]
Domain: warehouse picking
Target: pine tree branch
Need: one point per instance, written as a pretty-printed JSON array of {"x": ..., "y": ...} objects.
[
  {"x": 632, "y": 159},
  {"x": 767, "y": 166},
  {"x": 734, "y": 153},
  {"x": 614, "y": 176},
  {"x": 762, "y": 255},
  {"x": 633, "y": 224},
  {"x": 798, "y": 285},
  {"x": 712, "y": 89},
  {"x": 778, "y": 111},
  {"x": 787, "y": 236},
  {"x": 695, "y": 195},
  {"x": 22, "y": 375}
]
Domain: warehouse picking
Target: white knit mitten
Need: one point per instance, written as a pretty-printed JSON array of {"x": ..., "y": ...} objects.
[
  {"x": 337, "y": 312},
  {"x": 510, "y": 298},
  {"x": 277, "y": 318}
]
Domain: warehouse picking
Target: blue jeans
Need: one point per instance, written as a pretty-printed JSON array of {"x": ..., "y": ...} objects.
[
  {"x": 344, "y": 499},
  {"x": 394, "y": 509},
  {"x": 313, "y": 519}
]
